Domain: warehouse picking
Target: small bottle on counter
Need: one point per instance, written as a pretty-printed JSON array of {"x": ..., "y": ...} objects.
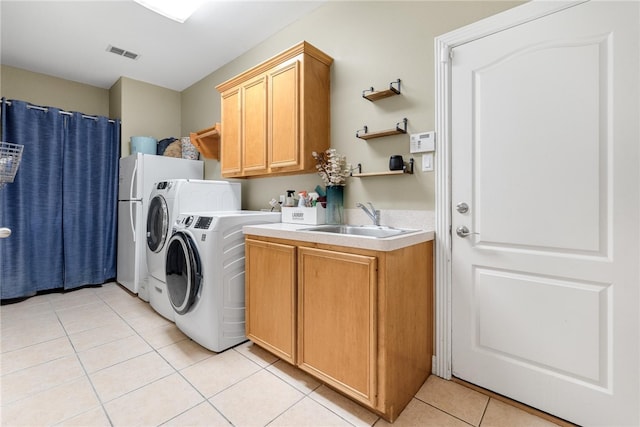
[
  {"x": 289, "y": 201},
  {"x": 302, "y": 199}
]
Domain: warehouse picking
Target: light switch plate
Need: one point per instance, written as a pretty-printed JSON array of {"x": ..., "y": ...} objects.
[
  {"x": 422, "y": 142},
  {"x": 427, "y": 162}
]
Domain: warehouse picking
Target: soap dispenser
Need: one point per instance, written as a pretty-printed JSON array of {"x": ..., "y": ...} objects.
[{"x": 289, "y": 201}]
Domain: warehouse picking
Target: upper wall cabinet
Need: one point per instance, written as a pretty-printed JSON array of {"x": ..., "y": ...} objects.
[{"x": 276, "y": 114}]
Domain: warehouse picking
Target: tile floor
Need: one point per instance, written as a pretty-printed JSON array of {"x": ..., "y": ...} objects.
[{"x": 101, "y": 357}]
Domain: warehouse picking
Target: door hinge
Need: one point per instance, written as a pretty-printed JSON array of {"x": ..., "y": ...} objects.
[{"x": 446, "y": 55}]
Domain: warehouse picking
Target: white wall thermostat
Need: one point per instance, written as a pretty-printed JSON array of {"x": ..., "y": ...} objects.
[{"x": 422, "y": 142}]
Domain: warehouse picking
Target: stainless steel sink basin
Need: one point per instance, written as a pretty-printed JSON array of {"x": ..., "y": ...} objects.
[{"x": 375, "y": 231}]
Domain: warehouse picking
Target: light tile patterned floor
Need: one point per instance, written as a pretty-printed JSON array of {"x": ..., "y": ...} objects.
[{"x": 100, "y": 356}]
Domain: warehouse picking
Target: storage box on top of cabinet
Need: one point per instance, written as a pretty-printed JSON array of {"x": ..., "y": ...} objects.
[{"x": 276, "y": 114}]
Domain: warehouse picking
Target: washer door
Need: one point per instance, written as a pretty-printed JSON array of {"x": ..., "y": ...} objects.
[
  {"x": 157, "y": 223},
  {"x": 184, "y": 272}
]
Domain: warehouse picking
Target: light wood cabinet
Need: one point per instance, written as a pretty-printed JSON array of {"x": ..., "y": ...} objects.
[
  {"x": 230, "y": 156},
  {"x": 284, "y": 118},
  {"x": 244, "y": 129},
  {"x": 254, "y": 126},
  {"x": 276, "y": 114},
  {"x": 337, "y": 320},
  {"x": 270, "y": 297},
  {"x": 362, "y": 319}
]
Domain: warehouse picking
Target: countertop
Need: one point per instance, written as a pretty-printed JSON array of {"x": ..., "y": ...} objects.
[{"x": 292, "y": 232}]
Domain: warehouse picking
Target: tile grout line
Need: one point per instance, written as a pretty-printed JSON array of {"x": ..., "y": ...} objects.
[
  {"x": 153, "y": 350},
  {"x": 206, "y": 399},
  {"x": 84, "y": 369},
  {"x": 484, "y": 412},
  {"x": 305, "y": 395},
  {"x": 176, "y": 371},
  {"x": 173, "y": 368},
  {"x": 445, "y": 412},
  {"x": 237, "y": 382},
  {"x": 53, "y": 311},
  {"x": 139, "y": 310}
]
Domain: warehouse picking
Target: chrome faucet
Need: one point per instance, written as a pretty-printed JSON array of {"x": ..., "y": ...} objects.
[{"x": 371, "y": 213}]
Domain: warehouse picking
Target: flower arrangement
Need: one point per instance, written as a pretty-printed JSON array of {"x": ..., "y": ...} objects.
[{"x": 332, "y": 167}]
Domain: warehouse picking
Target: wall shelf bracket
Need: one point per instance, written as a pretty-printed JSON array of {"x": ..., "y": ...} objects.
[
  {"x": 364, "y": 130},
  {"x": 401, "y": 127},
  {"x": 373, "y": 95},
  {"x": 407, "y": 169}
]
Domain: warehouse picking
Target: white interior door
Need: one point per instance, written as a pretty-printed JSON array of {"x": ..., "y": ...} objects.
[{"x": 545, "y": 154}]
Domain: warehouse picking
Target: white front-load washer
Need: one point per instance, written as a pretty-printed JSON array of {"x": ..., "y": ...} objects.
[
  {"x": 167, "y": 200},
  {"x": 205, "y": 275}
]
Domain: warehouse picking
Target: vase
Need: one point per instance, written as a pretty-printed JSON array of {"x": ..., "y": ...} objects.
[{"x": 335, "y": 204}]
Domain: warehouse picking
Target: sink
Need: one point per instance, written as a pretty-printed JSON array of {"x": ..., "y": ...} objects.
[{"x": 375, "y": 231}]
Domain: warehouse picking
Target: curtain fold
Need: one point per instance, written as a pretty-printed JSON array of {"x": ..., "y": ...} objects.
[
  {"x": 90, "y": 200},
  {"x": 62, "y": 205},
  {"x": 30, "y": 259}
]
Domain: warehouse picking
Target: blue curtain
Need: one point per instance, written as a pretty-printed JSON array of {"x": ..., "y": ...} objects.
[
  {"x": 90, "y": 200},
  {"x": 62, "y": 205}
]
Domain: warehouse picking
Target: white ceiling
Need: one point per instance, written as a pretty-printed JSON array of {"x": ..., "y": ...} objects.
[{"x": 69, "y": 39}]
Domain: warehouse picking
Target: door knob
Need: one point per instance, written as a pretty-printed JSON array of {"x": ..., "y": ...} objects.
[
  {"x": 462, "y": 207},
  {"x": 463, "y": 231}
]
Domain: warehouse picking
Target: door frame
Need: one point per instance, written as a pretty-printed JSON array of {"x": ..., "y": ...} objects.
[{"x": 443, "y": 45}]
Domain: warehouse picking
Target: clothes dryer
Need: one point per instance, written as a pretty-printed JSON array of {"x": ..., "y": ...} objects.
[
  {"x": 205, "y": 275},
  {"x": 167, "y": 200}
]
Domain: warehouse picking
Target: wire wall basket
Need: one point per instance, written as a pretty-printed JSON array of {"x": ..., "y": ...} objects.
[{"x": 10, "y": 156}]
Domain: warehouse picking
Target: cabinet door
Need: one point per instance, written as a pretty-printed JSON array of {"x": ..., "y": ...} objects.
[
  {"x": 231, "y": 135},
  {"x": 337, "y": 320},
  {"x": 284, "y": 119},
  {"x": 254, "y": 126},
  {"x": 270, "y": 296}
]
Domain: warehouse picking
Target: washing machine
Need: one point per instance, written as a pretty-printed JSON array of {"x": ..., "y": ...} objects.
[
  {"x": 205, "y": 275},
  {"x": 166, "y": 201}
]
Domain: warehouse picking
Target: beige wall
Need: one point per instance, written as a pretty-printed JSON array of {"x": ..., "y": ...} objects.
[
  {"x": 145, "y": 110},
  {"x": 115, "y": 100},
  {"x": 44, "y": 90},
  {"x": 372, "y": 44}
]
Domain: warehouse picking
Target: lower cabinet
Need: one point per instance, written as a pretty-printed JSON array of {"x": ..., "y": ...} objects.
[
  {"x": 337, "y": 320},
  {"x": 270, "y": 297},
  {"x": 358, "y": 320}
]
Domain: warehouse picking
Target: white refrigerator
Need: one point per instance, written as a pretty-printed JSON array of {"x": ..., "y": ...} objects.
[{"x": 138, "y": 173}]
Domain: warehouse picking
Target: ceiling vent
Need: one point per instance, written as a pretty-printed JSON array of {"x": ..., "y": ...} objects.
[{"x": 122, "y": 52}]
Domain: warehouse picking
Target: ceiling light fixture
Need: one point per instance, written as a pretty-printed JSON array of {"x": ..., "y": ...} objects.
[{"x": 177, "y": 10}]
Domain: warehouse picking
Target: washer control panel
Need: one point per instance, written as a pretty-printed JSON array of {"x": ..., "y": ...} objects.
[{"x": 203, "y": 222}]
